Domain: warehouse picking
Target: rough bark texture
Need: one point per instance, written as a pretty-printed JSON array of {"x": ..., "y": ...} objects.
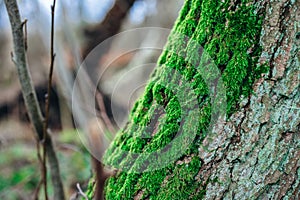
[
  {"x": 255, "y": 154},
  {"x": 29, "y": 95},
  {"x": 19, "y": 58}
]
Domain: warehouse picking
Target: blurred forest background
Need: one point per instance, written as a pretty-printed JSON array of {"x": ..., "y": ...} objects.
[{"x": 79, "y": 27}]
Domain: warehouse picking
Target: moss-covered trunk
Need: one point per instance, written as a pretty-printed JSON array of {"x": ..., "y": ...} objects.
[{"x": 252, "y": 154}]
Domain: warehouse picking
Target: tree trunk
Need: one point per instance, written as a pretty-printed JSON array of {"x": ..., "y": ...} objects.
[{"x": 254, "y": 153}]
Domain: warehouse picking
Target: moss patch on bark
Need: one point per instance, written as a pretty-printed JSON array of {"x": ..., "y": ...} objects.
[{"x": 229, "y": 31}]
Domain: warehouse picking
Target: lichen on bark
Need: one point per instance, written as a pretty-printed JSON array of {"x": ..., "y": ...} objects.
[{"x": 255, "y": 153}]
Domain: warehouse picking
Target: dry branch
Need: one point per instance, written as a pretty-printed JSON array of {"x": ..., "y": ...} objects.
[{"x": 34, "y": 111}]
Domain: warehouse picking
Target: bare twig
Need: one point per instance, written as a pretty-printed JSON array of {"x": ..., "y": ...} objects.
[
  {"x": 52, "y": 158},
  {"x": 44, "y": 171},
  {"x": 103, "y": 113},
  {"x": 55, "y": 172},
  {"x": 34, "y": 111},
  {"x": 37, "y": 190},
  {"x": 81, "y": 192},
  {"x": 52, "y": 58},
  {"x": 47, "y": 96},
  {"x": 19, "y": 59}
]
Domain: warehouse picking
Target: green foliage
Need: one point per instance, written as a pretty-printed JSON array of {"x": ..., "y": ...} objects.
[
  {"x": 15, "y": 171},
  {"x": 20, "y": 170}
]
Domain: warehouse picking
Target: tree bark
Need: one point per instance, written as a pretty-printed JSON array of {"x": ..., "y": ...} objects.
[
  {"x": 102, "y": 31},
  {"x": 29, "y": 95},
  {"x": 255, "y": 152}
]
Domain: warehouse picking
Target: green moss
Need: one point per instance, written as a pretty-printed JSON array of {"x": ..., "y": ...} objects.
[
  {"x": 181, "y": 185},
  {"x": 230, "y": 35},
  {"x": 90, "y": 188},
  {"x": 151, "y": 182}
]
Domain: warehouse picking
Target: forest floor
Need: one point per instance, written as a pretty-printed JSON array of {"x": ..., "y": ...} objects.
[{"x": 20, "y": 168}]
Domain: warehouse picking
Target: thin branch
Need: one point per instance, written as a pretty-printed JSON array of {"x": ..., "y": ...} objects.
[
  {"x": 42, "y": 160},
  {"x": 37, "y": 190},
  {"x": 103, "y": 113},
  {"x": 52, "y": 158},
  {"x": 52, "y": 58},
  {"x": 54, "y": 169},
  {"x": 47, "y": 96},
  {"x": 29, "y": 95},
  {"x": 81, "y": 192},
  {"x": 19, "y": 59}
]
